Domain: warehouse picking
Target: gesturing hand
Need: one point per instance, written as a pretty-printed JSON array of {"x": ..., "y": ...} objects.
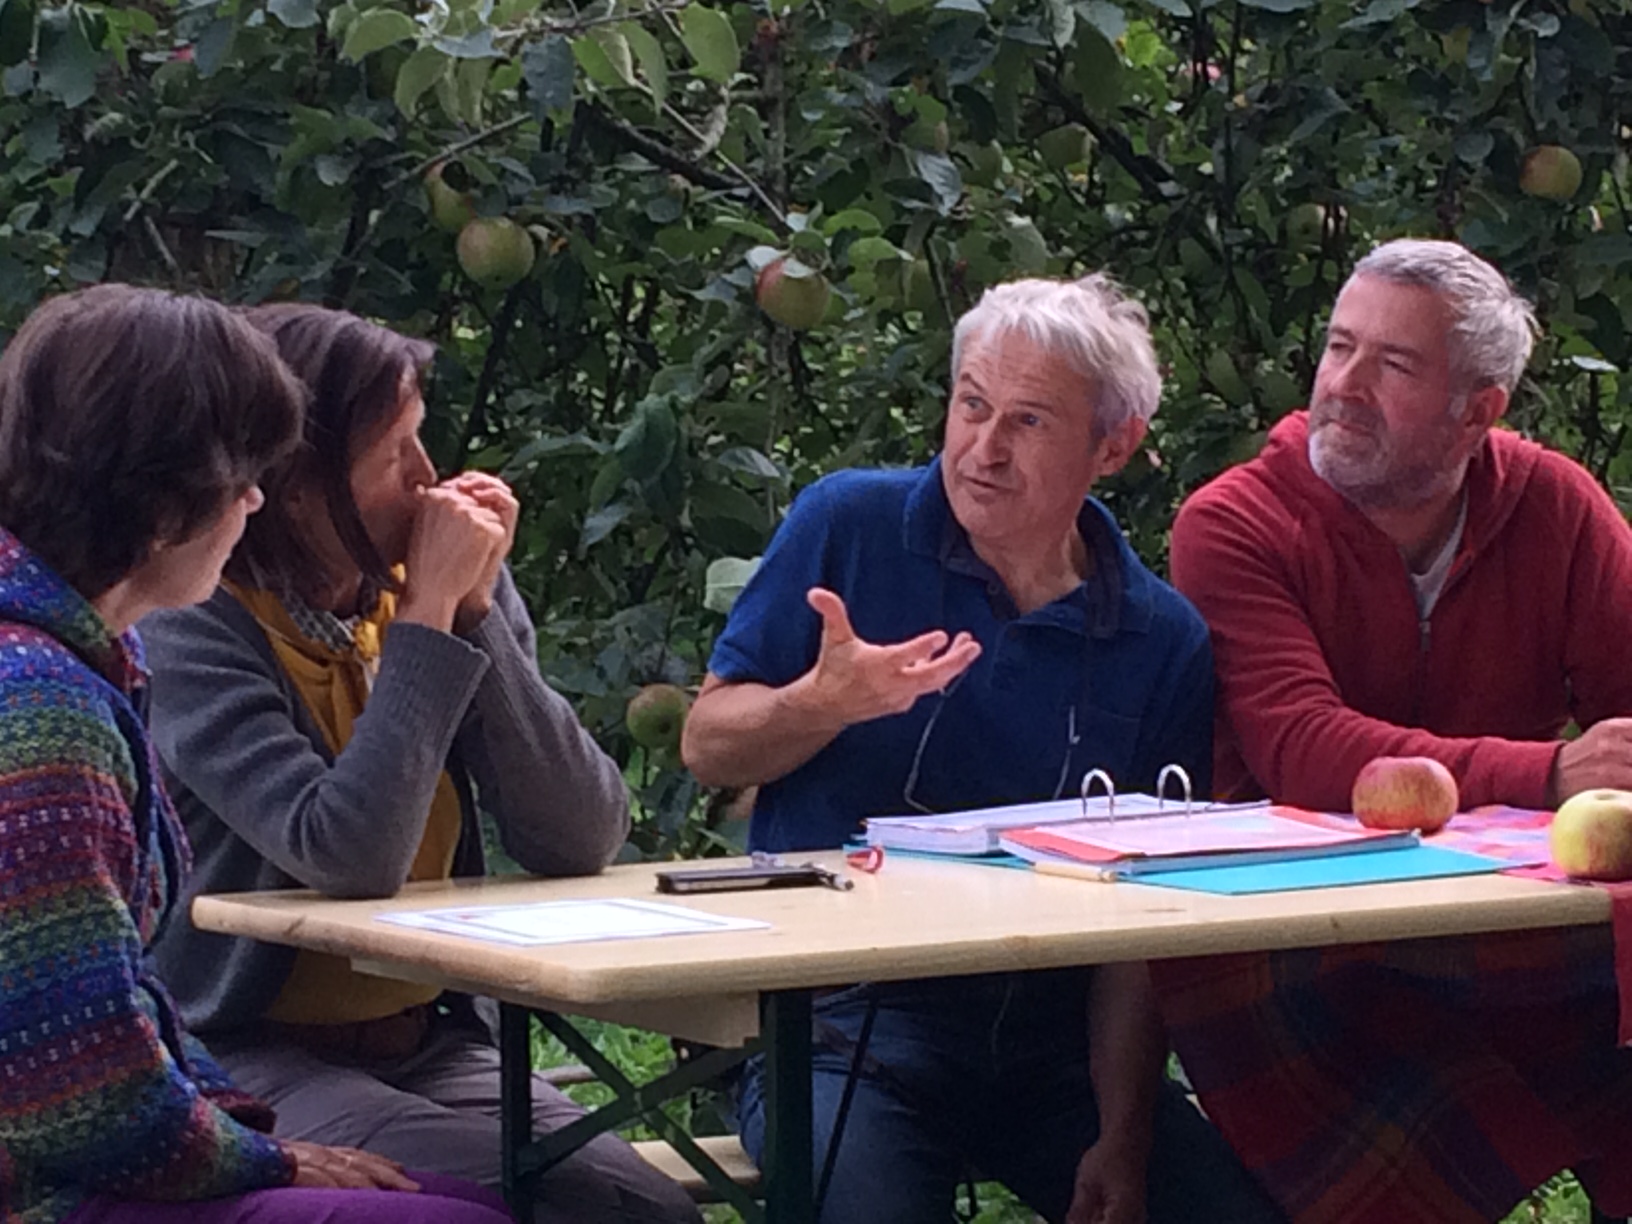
[
  {"x": 856, "y": 680},
  {"x": 342, "y": 1168}
]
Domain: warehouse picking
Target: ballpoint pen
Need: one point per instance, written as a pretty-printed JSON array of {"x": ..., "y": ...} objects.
[{"x": 827, "y": 876}]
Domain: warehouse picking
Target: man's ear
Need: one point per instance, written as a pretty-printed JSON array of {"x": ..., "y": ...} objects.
[
  {"x": 1119, "y": 445},
  {"x": 1484, "y": 407}
]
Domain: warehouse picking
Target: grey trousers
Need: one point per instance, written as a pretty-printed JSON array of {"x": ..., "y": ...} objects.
[{"x": 438, "y": 1110}]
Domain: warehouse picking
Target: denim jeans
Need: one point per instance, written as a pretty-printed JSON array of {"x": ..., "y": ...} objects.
[{"x": 986, "y": 1074}]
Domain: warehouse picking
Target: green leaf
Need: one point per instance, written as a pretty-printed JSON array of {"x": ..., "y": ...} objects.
[
  {"x": 16, "y": 31},
  {"x": 296, "y": 14},
  {"x": 548, "y": 68},
  {"x": 1062, "y": 22},
  {"x": 1593, "y": 365},
  {"x": 1096, "y": 70},
  {"x": 746, "y": 228},
  {"x": 214, "y": 45},
  {"x": 724, "y": 581},
  {"x": 711, "y": 41},
  {"x": 858, "y": 219},
  {"x": 1475, "y": 147},
  {"x": 648, "y": 442},
  {"x": 649, "y": 52},
  {"x": 809, "y": 243},
  {"x": 550, "y": 446},
  {"x": 1379, "y": 12},
  {"x": 750, "y": 462},
  {"x": 470, "y": 80},
  {"x": 375, "y": 30},
  {"x": 1279, "y": 6},
  {"x": 1604, "y": 250},
  {"x": 727, "y": 517},
  {"x": 865, "y": 252},
  {"x": 475, "y": 45},
  {"x": 604, "y": 56},
  {"x": 942, "y": 175},
  {"x": 1107, "y": 18},
  {"x": 601, "y": 523},
  {"x": 417, "y": 74},
  {"x": 333, "y": 169},
  {"x": 68, "y": 62}
]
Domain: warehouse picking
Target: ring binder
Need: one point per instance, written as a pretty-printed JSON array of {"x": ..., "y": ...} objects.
[
  {"x": 1110, "y": 793},
  {"x": 1170, "y": 770}
]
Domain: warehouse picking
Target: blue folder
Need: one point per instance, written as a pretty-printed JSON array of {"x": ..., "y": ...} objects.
[{"x": 1381, "y": 867}]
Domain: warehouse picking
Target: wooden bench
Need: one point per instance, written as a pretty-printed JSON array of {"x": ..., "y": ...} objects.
[{"x": 725, "y": 1150}]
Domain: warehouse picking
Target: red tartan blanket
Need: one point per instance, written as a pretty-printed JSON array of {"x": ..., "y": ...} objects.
[{"x": 1428, "y": 1080}]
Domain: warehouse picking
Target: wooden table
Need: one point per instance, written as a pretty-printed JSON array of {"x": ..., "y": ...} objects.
[{"x": 916, "y": 918}]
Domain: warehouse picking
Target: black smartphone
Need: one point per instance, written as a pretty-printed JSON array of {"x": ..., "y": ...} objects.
[{"x": 735, "y": 879}]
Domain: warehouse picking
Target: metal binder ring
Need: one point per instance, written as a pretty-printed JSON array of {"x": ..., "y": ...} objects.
[
  {"x": 1184, "y": 781},
  {"x": 1110, "y": 793}
]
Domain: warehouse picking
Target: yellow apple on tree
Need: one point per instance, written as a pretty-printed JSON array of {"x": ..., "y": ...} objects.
[
  {"x": 495, "y": 252},
  {"x": 452, "y": 207},
  {"x": 1551, "y": 172},
  {"x": 657, "y": 715},
  {"x": 1591, "y": 835},
  {"x": 1404, "y": 793}
]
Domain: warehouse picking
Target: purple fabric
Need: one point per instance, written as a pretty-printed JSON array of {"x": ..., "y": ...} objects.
[{"x": 441, "y": 1200}]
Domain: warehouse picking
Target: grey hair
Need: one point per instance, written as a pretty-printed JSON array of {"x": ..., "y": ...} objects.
[
  {"x": 1493, "y": 329},
  {"x": 1101, "y": 332}
]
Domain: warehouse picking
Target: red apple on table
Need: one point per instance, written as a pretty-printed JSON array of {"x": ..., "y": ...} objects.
[
  {"x": 1591, "y": 835},
  {"x": 1404, "y": 793}
]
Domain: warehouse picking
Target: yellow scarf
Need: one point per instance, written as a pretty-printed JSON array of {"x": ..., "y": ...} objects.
[{"x": 324, "y": 989}]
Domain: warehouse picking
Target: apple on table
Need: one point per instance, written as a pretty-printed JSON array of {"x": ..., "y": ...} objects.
[
  {"x": 1404, "y": 793},
  {"x": 1591, "y": 835}
]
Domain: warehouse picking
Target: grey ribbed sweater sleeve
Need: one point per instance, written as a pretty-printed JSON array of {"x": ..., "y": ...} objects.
[
  {"x": 559, "y": 802},
  {"x": 233, "y": 733},
  {"x": 230, "y": 730}
]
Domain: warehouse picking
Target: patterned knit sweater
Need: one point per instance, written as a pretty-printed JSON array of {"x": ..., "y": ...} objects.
[{"x": 101, "y": 1091}]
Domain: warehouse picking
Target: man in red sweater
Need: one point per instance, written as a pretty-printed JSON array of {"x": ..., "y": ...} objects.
[{"x": 1394, "y": 577}]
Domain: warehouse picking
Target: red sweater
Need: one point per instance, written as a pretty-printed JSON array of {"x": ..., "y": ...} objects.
[{"x": 1323, "y": 663}]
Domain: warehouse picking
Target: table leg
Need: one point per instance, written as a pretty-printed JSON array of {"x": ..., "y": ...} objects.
[
  {"x": 515, "y": 1107},
  {"x": 788, "y": 1172}
]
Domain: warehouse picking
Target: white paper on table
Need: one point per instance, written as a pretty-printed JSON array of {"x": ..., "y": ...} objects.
[{"x": 556, "y": 922}]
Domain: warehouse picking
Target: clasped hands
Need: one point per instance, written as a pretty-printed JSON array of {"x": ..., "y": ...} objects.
[
  {"x": 854, "y": 680},
  {"x": 463, "y": 531}
]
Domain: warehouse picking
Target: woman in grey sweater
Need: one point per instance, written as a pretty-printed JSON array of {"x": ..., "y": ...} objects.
[{"x": 331, "y": 718}]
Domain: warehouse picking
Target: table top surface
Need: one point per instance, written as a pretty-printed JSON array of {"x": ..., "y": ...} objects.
[{"x": 915, "y": 918}]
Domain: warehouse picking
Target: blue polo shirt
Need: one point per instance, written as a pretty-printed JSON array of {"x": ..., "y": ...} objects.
[{"x": 1116, "y": 674}]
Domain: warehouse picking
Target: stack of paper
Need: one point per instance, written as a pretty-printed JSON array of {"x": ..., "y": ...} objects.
[
  {"x": 978, "y": 831},
  {"x": 1202, "y": 839}
]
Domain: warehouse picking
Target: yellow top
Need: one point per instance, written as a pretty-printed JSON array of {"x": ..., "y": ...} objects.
[{"x": 323, "y": 989}]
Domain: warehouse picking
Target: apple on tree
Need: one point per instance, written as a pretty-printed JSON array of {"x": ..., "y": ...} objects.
[
  {"x": 1591, "y": 835},
  {"x": 656, "y": 716},
  {"x": 1551, "y": 172},
  {"x": 495, "y": 252},
  {"x": 1404, "y": 793},
  {"x": 792, "y": 293},
  {"x": 452, "y": 207}
]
